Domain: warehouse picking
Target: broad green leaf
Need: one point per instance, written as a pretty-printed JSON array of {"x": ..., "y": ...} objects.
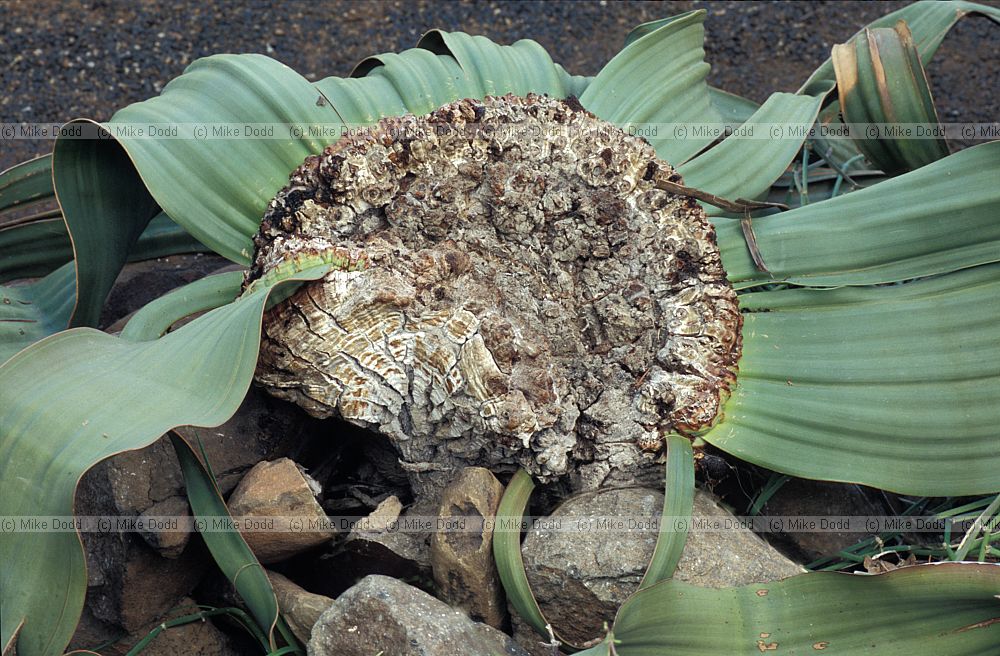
[
  {"x": 37, "y": 248},
  {"x": 154, "y": 319},
  {"x": 35, "y": 310},
  {"x": 422, "y": 80},
  {"x": 161, "y": 238},
  {"x": 106, "y": 208},
  {"x": 678, "y": 501},
  {"x": 26, "y": 183},
  {"x": 494, "y": 70},
  {"x": 732, "y": 108},
  {"x": 941, "y": 217},
  {"x": 55, "y": 427},
  {"x": 925, "y": 610},
  {"x": 217, "y": 189},
  {"x": 362, "y": 101},
  {"x": 881, "y": 80},
  {"x": 657, "y": 79},
  {"x": 574, "y": 85},
  {"x": 444, "y": 67},
  {"x": 929, "y": 22},
  {"x": 745, "y": 166},
  {"x": 507, "y": 554},
  {"x": 228, "y": 548},
  {"x": 896, "y": 387},
  {"x": 34, "y": 249}
]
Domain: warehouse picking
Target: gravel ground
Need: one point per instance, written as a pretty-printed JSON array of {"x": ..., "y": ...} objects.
[{"x": 60, "y": 60}]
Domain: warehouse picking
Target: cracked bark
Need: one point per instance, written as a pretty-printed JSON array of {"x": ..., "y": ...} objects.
[{"x": 511, "y": 289}]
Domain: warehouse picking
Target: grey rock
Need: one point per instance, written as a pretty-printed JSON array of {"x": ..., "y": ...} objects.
[
  {"x": 580, "y": 578},
  {"x": 384, "y": 615},
  {"x": 462, "y": 557},
  {"x": 128, "y": 583}
]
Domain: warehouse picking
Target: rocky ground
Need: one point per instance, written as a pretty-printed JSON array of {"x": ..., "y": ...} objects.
[{"x": 361, "y": 591}]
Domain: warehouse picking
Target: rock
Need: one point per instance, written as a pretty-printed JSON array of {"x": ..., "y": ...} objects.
[
  {"x": 379, "y": 520},
  {"x": 381, "y": 615},
  {"x": 580, "y": 578},
  {"x": 201, "y": 638},
  {"x": 381, "y": 544},
  {"x": 819, "y": 498},
  {"x": 300, "y": 608},
  {"x": 262, "y": 429},
  {"x": 168, "y": 541},
  {"x": 279, "y": 489},
  {"x": 462, "y": 559},
  {"x": 129, "y": 583}
]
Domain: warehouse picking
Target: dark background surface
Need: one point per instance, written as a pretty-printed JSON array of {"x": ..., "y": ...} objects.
[{"x": 62, "y": 60}]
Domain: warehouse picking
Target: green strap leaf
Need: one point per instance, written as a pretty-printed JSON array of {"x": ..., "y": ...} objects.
[
  {"x": 362, "y": 101},
  {"x": 55, "y": 427},
  {"x": 228, "y": 548},
  {"x": 26, "y": 184},
  {"x": 732, "y": 108},
  {"x": 444, "y": 67},
  {"x": 881, "y": 80},
  {"x": 32, "y": 311},
  {"x": 106, "y": 208},
  {"x": 154, "y": 319},
  {"x": 678, "y": 501},
  {"x": 216, "y": 188},
  {"x": 929, "y": 22},
  {"x": 34, "y": 249},
  {"x": 896, "y": 387},
  {"x": 507, "y": 554},
  {"x": 161, "y": 238},
  {"x": 37, "y": 248},
  {"x": 422, "y": 80},
  {"x": 36, "y": 310},
  {"x": 914, "y": 611},
  {"x": 574, "y": 85},
  {"x": 939, "y": 218},
  {"x": 659, "y": 78},
  {"x": 760, "y": 161},
  {"x": 521, "y": 68}
]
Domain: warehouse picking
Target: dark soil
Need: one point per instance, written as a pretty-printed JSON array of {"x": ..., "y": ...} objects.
[{"x": 61, "y": 60}]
